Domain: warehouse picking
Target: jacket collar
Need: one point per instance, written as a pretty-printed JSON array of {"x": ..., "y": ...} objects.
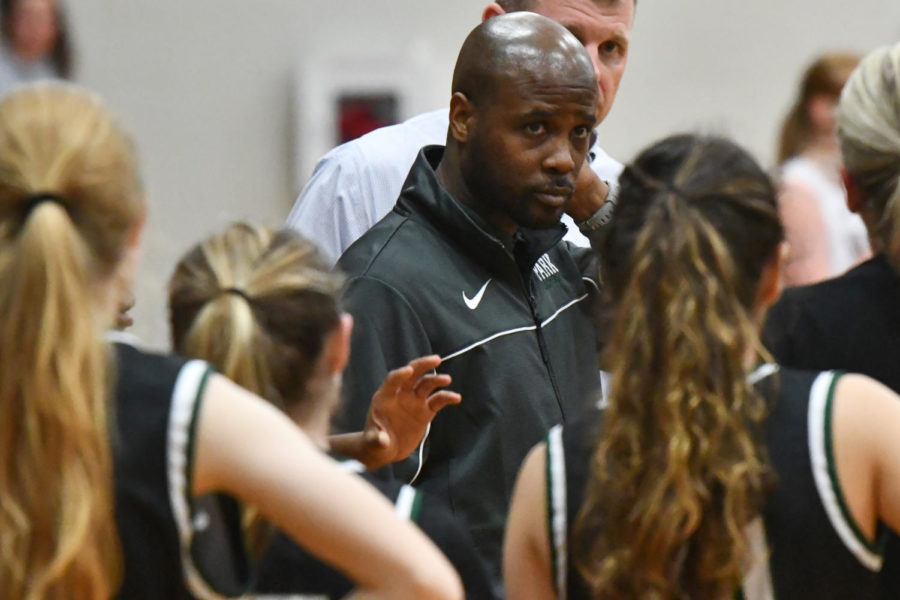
[{"x": 423, "y": 193}]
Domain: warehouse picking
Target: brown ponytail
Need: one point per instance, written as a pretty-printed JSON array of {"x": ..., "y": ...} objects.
[{"x": 678, "y": 473}]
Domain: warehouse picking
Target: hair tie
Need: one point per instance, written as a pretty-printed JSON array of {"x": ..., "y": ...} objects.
[
  {"x": 32, "y": 201},
  {"x": 675, "y": 191},
  {"x": 237, "y": 292},
  {"x": 659, "y": 183}
]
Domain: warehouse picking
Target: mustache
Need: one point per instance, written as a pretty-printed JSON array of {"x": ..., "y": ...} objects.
[{"x": 559, "y": 186}]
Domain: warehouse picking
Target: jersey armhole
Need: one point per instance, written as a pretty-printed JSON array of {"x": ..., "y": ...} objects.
[
  {"x": 557, "y": 525},
  {"x": 821, "y": 449},
  {"x": 187, "y": 397}
]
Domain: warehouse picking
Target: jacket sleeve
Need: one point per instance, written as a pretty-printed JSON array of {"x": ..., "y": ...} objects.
[{"x": 387, "y": 334}]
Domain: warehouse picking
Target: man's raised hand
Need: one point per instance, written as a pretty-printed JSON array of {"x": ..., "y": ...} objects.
[{"x": 402, "y": 409}]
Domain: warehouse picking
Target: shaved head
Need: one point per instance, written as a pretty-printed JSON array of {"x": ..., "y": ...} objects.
[
  {"x": 518, "y": 45},
  {"x": 524, "y": 103}
]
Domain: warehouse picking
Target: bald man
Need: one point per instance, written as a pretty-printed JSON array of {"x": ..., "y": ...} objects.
[
  {"x": 470, "y": 265},
  {"x": 357, "y": 183}
]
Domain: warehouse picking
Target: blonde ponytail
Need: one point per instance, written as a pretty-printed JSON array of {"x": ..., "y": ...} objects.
[
  {"x": 258, "y": 305},
  {"x": 59, "y": 146},
  {"x": 869, "y": 131}
]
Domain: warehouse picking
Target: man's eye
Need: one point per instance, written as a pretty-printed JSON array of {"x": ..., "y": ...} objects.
[
  {"x": 609, "y": 48},
  {"x": 581, "y": 132},
  {"x": 535, "y": 128}
]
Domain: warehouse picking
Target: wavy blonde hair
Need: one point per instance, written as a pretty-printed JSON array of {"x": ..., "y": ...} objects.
[
  {"x": 679, "y": 472},
  {"x": 869, "y": 132},
  {"x": 58, "y": 538}
]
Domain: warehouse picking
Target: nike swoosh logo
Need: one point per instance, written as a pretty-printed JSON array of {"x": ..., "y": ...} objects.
[{"x": 475, "y": 300}]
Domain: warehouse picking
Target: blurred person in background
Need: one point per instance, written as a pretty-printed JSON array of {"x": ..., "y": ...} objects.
[
  {"x": 825, "y": 238},
  {"x": 35, "y": 42},
  {"x": 852, "y": 322}
]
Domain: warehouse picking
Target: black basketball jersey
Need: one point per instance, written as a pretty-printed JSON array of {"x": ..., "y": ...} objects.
[
  {"x": 288, "y": 569},
  {"x": 156, "y": 401},
  {"x": 806, "y": 545}
]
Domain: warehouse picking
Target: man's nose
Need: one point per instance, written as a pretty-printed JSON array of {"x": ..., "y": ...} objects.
[
  {"x": 598, "y": 67},
  {"x": 561, "y": 158}
]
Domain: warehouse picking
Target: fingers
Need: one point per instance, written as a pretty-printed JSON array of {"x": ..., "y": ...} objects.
[
  {"x": 427, "y": 384},
  {"x": 416, "y": 377},
  {"x": 439, "y": 400},
  {"x": 423, "y": 364},
  {"x": 397, "y": 378},
  {"x": 412, "y": 375}
]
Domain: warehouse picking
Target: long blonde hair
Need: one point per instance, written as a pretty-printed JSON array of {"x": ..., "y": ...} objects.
[
  {"x": 678, "y": 472},
  {"x": 869, "y": 132},
  {"x": 69, "y": 197}
]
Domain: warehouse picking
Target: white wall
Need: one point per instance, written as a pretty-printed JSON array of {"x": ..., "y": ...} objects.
[
  {"x": 207, "y": 86},
  {"x": 731, "y": 66}
]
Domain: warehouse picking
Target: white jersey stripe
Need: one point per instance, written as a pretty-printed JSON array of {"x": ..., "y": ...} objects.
[
  {"x": 185, "y": 399},
  {"x": 818, "y": 431},
  {"x": 761, "y": 372},
  {"x": 406, "y": 499},
  {"x": 556, "y": 466}
]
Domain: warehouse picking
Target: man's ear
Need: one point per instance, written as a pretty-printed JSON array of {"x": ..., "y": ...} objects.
[
  {"x": 337, "y": 346},
  {"x": 854, "y": 197},
  {"x": 492, "y": 10},
  {"x": 462, "y": 117}
]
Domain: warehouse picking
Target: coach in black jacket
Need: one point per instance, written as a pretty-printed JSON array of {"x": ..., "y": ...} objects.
[{"x": 470, "y": 265}]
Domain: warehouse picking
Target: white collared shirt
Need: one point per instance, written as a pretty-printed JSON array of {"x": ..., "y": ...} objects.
[{"x": 355, "y": 184}]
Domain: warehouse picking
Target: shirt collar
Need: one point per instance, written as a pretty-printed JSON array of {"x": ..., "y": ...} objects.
[{"x": 424, "y": 192}]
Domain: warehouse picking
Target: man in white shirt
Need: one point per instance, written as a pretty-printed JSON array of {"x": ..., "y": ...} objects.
[{"x": 354, "y": 185}]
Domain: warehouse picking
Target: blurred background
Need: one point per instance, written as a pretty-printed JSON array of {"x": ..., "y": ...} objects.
[{"x": 233, "y": 101}]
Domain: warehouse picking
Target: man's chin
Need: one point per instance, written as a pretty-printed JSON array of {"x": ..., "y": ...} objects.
[{"x": 543, "y": 221}]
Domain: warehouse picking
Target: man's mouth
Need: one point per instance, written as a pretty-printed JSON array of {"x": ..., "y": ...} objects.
[{"x": 555, "y": 196}]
